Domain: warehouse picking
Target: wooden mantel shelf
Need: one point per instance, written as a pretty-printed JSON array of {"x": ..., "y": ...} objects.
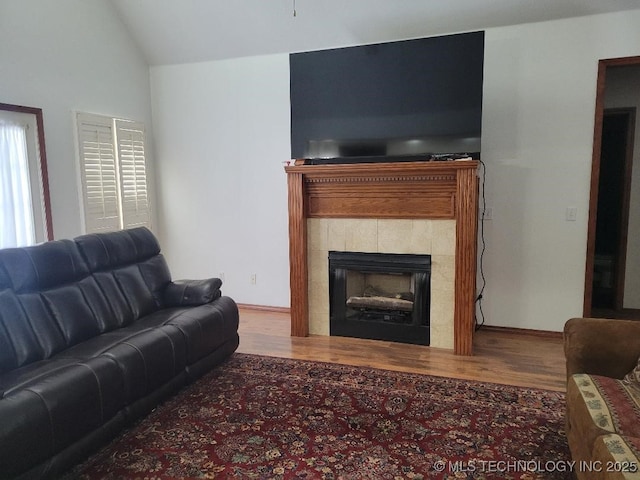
[{"x": 426, "y": 190}]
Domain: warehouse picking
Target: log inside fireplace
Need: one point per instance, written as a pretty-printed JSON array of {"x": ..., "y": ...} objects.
[{"x": 381, "y": 296}]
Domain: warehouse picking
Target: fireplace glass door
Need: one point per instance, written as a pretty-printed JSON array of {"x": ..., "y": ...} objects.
[{"x": 380, "y": 296}]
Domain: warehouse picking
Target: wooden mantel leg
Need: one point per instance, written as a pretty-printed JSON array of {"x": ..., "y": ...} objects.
[
  {"x": 298, "y": 256},
  {"x": 466, "y": 250}
]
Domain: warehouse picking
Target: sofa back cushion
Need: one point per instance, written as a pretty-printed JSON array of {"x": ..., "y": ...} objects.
[
  {"x": 32, "y": 269},
  {"x": 57, "y": 294},
  {"x": 137, "y": 293},
  {"x": 7, "y": 354},
  {"x": 129, "y": 268},
  {"x": 41, "y": 311},
  {"x": 106, "y": 251},
  {"x": 36, "y": 326},
  {"x": 5, "y": 281},
  {"x": 19, "y": 344},
  {"x": 70, "y": 310}
]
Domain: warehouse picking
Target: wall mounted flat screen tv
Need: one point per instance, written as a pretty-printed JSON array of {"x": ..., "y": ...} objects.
[{"x": 388, "y": 101}]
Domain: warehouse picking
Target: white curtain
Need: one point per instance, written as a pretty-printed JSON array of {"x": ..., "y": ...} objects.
[{"x": 16, "y": 217}]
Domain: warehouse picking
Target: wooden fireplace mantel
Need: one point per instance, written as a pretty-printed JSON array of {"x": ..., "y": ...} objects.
[{"x": 425, "y": 190}]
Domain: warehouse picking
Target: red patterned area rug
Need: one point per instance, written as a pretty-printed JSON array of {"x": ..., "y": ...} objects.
[{"x": 273, "y": 418}]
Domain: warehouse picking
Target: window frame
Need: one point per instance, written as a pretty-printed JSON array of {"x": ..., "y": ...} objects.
[{"x": 45, "y": 197}]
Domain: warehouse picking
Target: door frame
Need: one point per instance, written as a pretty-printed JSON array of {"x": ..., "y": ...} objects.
[{"x": 603, "y": 65}]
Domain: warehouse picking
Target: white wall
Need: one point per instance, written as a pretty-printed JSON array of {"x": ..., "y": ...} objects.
[
  {"x": 539, "y": 100},
  {"x": 64, "y": 55},
  {"x": 222, "y": 130},
  {"x": 222, "y": 133}
]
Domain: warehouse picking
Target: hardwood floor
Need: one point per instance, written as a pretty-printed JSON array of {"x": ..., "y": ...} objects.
[{"x": 501, "y": 357}]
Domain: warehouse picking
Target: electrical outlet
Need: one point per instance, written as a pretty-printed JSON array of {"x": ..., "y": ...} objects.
[
  {"x": 572, "y": 214},
  {"x": 252, "y": 279}
]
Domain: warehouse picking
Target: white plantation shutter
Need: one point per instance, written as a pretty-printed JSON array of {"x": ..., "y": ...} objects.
[
  {"x": 113, "y": 173},
  {"x": 133, "y": 174},
  {"x": 99, "y": 173}
]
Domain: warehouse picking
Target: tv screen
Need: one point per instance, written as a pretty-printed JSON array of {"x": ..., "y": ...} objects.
[{"x": 399, "y": 99}]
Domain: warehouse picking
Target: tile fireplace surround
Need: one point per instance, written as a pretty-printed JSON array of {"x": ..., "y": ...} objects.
[{"x": 397, "y": 207}]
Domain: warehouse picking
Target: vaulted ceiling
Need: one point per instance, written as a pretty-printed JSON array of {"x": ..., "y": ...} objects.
[{"x": 182, "y": 31}]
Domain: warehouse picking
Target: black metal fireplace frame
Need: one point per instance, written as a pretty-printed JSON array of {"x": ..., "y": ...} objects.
[{"x": 417, "y": 332}]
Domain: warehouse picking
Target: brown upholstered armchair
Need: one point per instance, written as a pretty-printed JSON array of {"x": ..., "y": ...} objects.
[
  {"x": 604, "y": 437},
  {"x": 601, "y": 346}
]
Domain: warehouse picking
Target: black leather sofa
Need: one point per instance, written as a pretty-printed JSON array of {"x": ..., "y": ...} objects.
[{"x": 93, "y": 335}]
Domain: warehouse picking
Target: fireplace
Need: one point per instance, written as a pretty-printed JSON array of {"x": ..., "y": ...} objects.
[
  {"x": 401, "y": 207},
  {"x": 380, "y": 296}
]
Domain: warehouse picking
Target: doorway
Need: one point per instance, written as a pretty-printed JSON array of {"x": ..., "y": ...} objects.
[
  {"x": 611, "y": 186},
  {"x": 612, "y": 216}
]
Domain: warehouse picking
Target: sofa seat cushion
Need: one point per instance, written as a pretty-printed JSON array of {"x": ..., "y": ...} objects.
[
  {"x": 602, "y": 405},
  {"x": 616, "y": 458},
  {"x": 149, "y": 360},
  {"x": 146, "y": 357},
  {"x": 103, "y": 343},
  {"x": 24, "y": 376}
]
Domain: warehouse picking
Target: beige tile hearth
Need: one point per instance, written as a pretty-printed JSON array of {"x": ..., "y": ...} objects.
[{"x": 430, "y": 237}]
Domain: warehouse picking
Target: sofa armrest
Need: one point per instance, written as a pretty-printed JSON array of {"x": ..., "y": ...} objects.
[
  {"x": 181, "y": 293},
  {"x": 601, "y": 346}
]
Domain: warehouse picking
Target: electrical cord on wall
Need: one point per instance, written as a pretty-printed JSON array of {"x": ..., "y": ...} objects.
[{"x": 483, "y": 247}]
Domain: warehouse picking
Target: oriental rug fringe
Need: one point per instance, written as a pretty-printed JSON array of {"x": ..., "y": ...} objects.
[{"x": 258, "y": 417}]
